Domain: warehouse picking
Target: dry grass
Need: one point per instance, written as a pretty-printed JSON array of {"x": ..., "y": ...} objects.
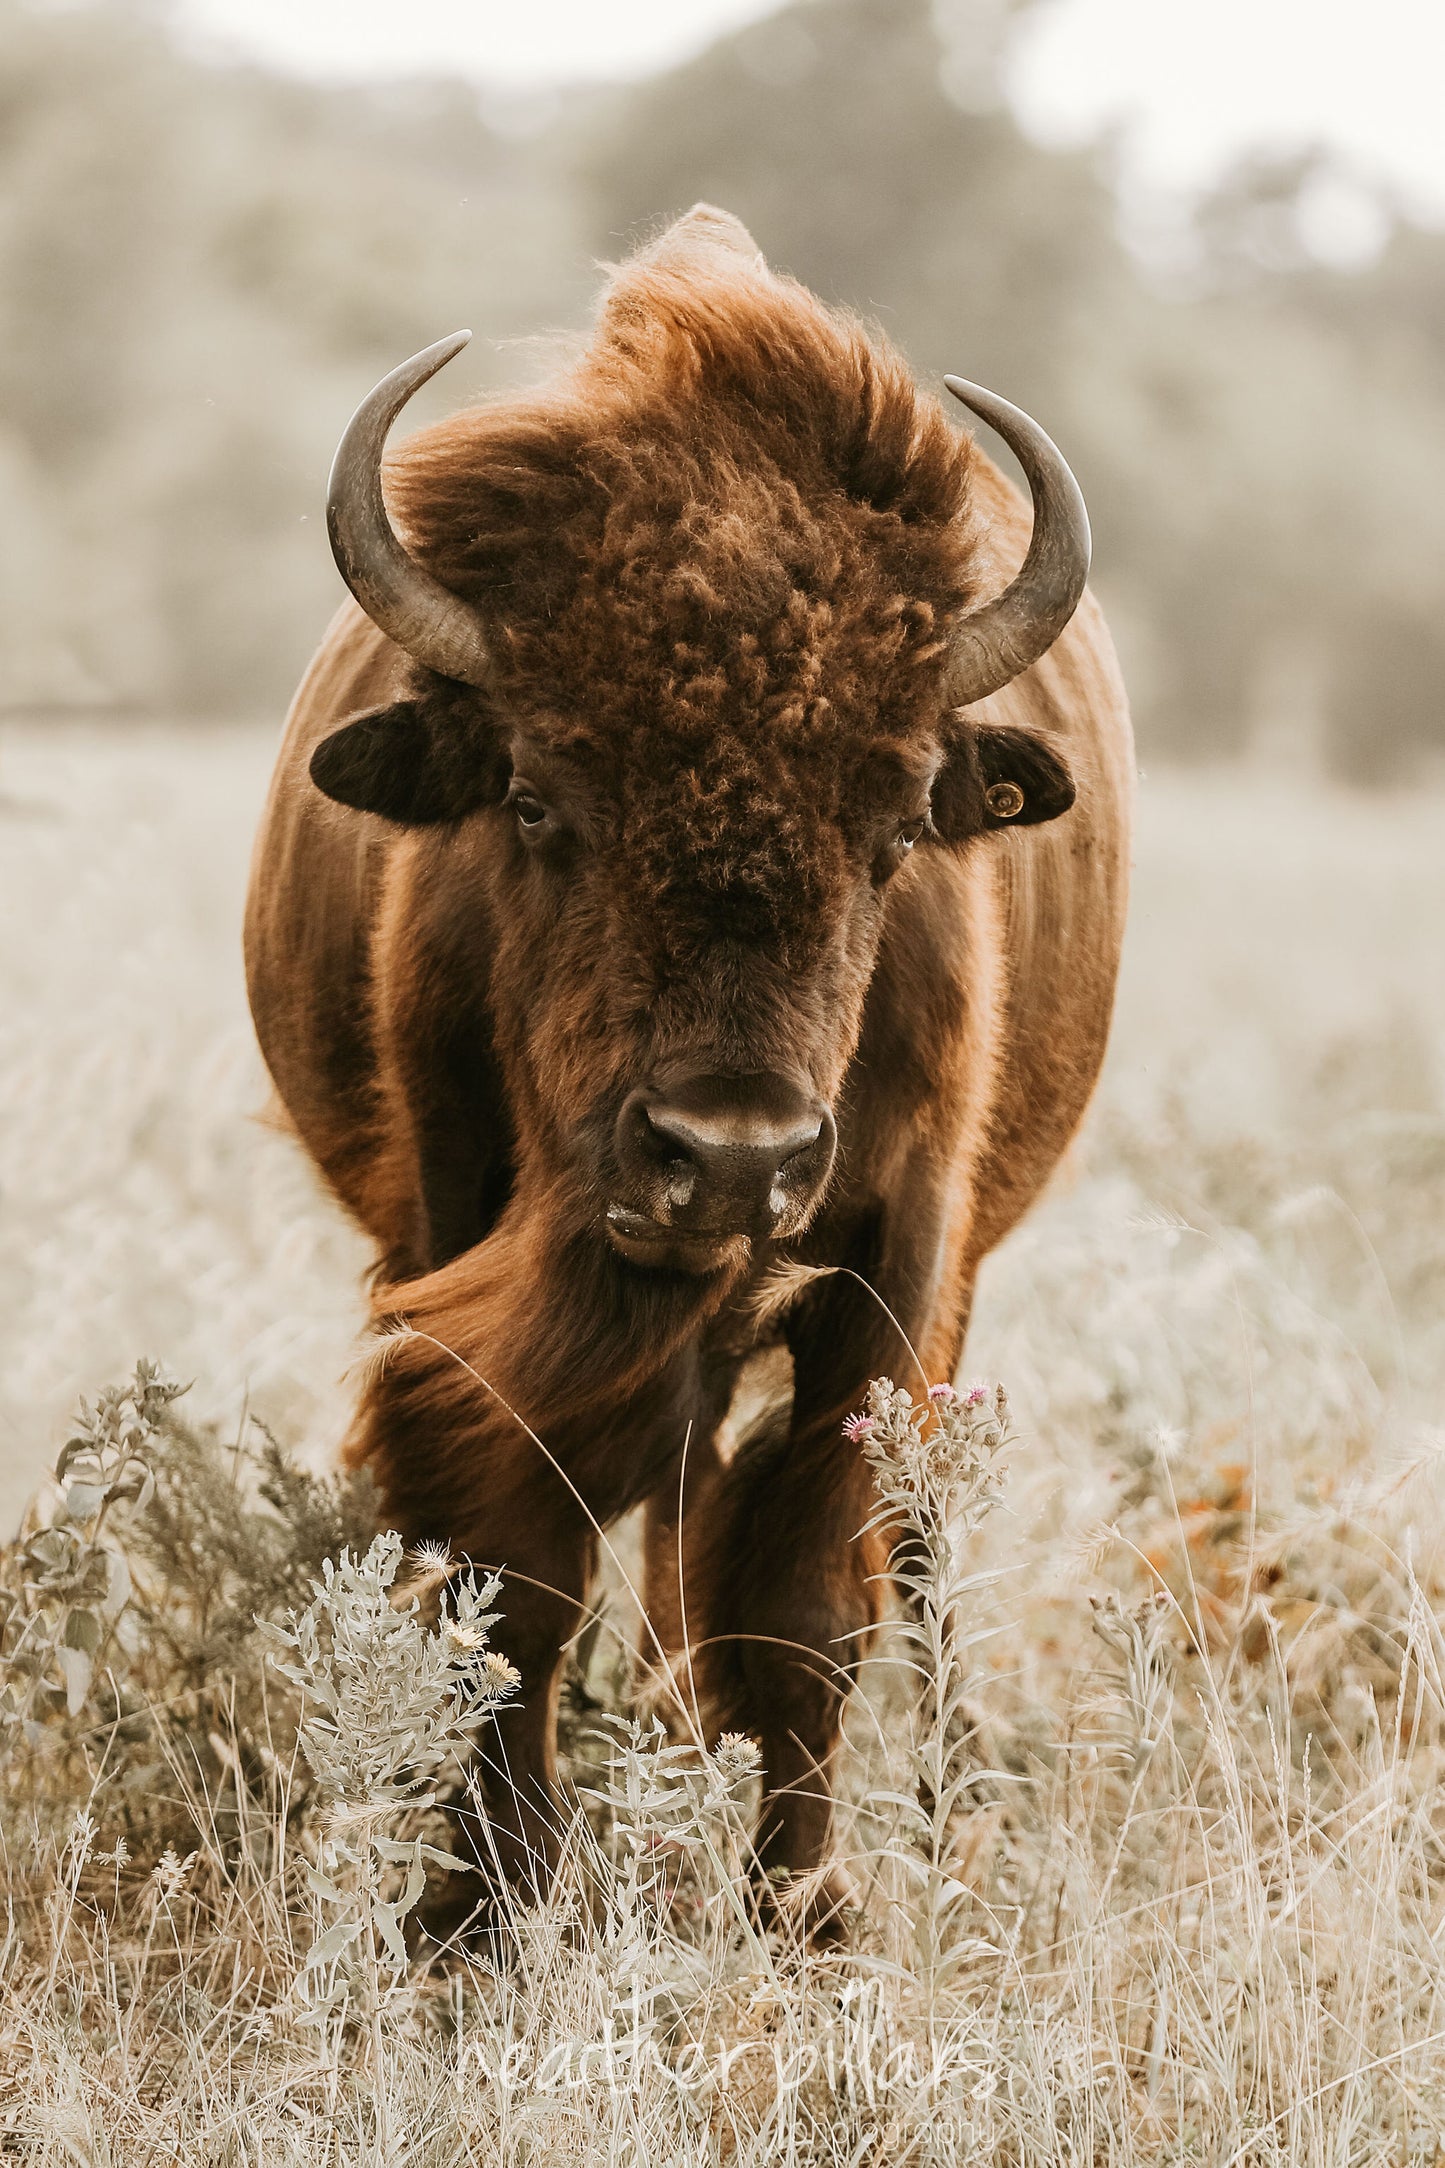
[{"x": 1157, "y": 1874}]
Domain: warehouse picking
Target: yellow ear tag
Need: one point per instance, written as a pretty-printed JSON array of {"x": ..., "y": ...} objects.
[{"x": 1004, "y": 800}]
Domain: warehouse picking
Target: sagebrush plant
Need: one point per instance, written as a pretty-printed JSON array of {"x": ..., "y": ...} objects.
[
  {"x": 133, "y": 1609},
  {"x": 64, "y": 1585},
  {"x": 385, "y": 1701},
  {"x": 674, "y": 1815},
  {"x": 938, "y": 1469}
]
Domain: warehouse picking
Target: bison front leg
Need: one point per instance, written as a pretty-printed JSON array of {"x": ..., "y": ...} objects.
[
  {"x": 547, "y": 1556},
  {"x": 522, "y": 1406},
  {"x": 497, "y": 1504},
  {"x": 794, "y": 1585},
  {"x": 805, "y": 1600}
]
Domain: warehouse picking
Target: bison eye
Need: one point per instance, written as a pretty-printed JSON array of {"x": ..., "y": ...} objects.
[
  {"x": 909, "y": 834},
  {"x": 529, "y": 809}
]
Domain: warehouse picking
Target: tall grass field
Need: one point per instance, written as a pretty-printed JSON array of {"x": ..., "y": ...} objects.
[{"x": 1143, "y": 1796}]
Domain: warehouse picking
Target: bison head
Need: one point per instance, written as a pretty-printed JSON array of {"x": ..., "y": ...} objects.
[{"x": 693, "y": 637}]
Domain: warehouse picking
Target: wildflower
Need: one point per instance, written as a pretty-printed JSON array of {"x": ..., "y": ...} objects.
[
  {"x": 737, "y": 1756},
  {"x": 858, "y": 1427},
  {"x": 941, "y": 1393},
  {"x": 976, "y": 1395},
  {"x": 497, "y": 1674},
  {"x": 466, "y": 1638},
  {"x": 431, "y": 1557},
  {"x": 170, "y": 1872}
]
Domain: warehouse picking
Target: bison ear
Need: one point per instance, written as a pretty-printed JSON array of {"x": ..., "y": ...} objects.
[
  {"x": 998, "y": 778},
  {"x": 407, "y": 766}
]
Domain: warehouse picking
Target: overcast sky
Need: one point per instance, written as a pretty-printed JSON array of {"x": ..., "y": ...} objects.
[{"x": 1193, "y": 80}]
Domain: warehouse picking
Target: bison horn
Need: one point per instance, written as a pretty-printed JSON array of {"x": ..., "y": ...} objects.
[
  {"x": 410, "y": 605},
  {"x": 996, "y": 643}
]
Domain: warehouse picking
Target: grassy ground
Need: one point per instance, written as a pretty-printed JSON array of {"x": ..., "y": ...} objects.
[{"x": 1179, "y": 1888}]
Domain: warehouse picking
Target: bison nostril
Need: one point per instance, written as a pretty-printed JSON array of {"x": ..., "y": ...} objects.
[
  {"x": 800, "y": 1144},
  {"x": 724, "y": 1151},
  {"x": 681, "y": 1182},
  {"x": 659, "y": 1143}
]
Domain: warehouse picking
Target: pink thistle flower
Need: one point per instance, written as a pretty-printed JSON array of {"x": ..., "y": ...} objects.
[
  {"x": 976, "y": 1394},
  {"x": 858, "y": 1427},
  {"x": 941, "y": 1393}
]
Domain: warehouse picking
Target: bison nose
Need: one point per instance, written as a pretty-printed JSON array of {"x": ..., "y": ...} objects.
[{"x": 726, "y": 1154}]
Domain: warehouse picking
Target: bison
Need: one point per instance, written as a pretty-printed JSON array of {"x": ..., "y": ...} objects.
[{"x": 700, "y": 846}]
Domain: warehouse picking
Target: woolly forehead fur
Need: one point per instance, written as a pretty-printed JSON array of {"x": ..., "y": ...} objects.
[{"x": 717, "y": 560}]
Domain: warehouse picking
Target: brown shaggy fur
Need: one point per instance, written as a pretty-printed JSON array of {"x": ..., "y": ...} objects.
[
  {"x": 723, "y": 554},
  {"x": 718, "y": 561}
]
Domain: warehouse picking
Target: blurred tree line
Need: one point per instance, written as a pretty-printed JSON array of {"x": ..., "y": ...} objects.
[{"x": 204, "y": 266}]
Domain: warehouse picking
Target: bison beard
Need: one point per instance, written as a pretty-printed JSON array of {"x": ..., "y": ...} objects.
[{"x": 662, "y": 882}]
